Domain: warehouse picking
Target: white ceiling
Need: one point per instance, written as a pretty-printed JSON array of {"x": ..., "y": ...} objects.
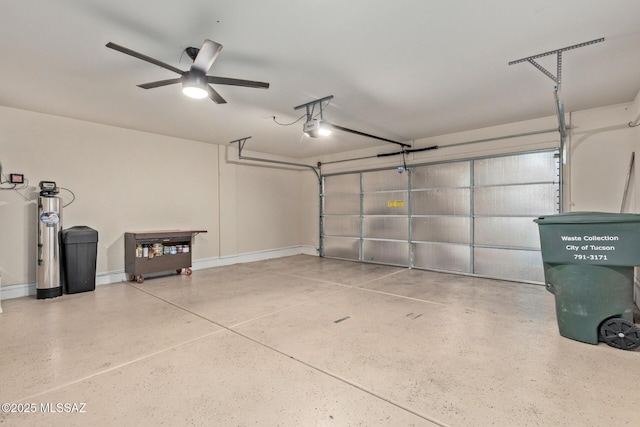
[{"x": 403, "y": 70}]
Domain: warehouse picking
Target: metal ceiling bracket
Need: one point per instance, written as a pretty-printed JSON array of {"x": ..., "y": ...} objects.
[
  {"x": 558, "y": 52},
  {"x": 557, "y": 78},
  {"x": 562, "y": 127},
  {"x": 310, "y": 106},
  {"x": 242, "y": 141}
]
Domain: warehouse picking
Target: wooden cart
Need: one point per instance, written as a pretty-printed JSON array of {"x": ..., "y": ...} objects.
[{"x": 176, "y": 258}]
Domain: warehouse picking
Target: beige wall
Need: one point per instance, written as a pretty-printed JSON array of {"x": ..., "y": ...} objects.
[
  {"x": 261, "y": 203},
  {"x": 446, "y": 150},
  {"x": 600, "y": 147},
  {"x": 126, "y": 180},
  {"x": 636, "y": 180},
  {"x": 635, "y": 119}
]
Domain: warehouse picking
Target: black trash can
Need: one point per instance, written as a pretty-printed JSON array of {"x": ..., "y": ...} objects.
[{"x": 79, "y": 249}]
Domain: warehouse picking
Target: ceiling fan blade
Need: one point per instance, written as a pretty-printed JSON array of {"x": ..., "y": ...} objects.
[
  {"x": 143, "y": 57},
  {"x": 160, "y": 83},
  {"x": 215, "y": 96},
  {"x": 207, "y": 54},
  {"x": 237, "y": 82}
]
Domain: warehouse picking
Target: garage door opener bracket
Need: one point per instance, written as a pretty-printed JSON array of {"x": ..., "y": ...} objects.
[
  {"x": 556, "y": 78},
  {"x": 242, "y": 141}
]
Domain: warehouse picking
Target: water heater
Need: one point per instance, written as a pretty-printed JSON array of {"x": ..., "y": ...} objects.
[{"x": 49, "y": 280}]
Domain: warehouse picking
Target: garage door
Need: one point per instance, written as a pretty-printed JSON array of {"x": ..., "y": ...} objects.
[{"x": 471, "y": 216}]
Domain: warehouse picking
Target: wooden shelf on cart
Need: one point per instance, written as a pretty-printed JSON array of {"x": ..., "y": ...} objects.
[{"x": 135, "y": 267}]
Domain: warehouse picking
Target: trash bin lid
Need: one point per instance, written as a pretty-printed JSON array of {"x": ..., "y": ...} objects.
[
  {"x": 79, "y": 234},
  {"x": 588, "y": 218}
]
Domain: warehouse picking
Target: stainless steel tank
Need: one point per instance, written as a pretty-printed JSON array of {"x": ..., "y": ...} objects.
[{"x": 49, "y": 281}]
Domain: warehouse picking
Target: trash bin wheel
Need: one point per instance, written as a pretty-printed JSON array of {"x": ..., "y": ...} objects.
[
  {"x": 139, "y": 278},
  {"x": 188, "y": 271},
  {"x": 620, "y": 333},
  {"x": 132, "y": 277},
  {"x": 179, "y": 270}
]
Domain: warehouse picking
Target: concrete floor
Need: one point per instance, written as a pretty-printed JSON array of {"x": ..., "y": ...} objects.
[{"x": 305, "y": 341}]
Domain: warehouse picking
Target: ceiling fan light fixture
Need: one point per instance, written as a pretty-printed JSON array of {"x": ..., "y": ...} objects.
[
  {"x": 194, "y": 92},
  {"x": 194, "y": 85}
]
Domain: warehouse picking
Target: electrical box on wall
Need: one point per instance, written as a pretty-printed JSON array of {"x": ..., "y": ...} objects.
[{"x": 16, "y": 178}]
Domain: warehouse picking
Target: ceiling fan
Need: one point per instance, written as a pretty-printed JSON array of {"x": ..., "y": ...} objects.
[{"x": 195, "y": 82}]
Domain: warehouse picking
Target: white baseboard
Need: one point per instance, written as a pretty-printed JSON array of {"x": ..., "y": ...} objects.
[
  {"x": 253, "y": 256},
  {"x": 29, "y": 289}
]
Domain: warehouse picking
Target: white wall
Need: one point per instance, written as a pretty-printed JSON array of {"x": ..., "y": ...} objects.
[{"x": 126, "y": 180}]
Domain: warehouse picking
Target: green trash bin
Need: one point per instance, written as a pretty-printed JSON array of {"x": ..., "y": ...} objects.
[{"x": 588, "y": 265}]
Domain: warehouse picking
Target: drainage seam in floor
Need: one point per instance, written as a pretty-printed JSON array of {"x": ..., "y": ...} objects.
[
  {"x": 229, "y": 329},
  {"x": 288, "y": 356},
  {"x": 121, "y": 365},
  {"x": 360, "y": 287}
]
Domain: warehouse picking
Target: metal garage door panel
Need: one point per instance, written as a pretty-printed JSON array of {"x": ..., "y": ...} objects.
[
  {"x": 392, "y": 203},
  {"x": 385, "y": 252},
  {"x": 518, "y": 169},
  {"x": 342, "y": 204},
  {"x": 450, "y": 229},
  {"x": 342, "y": 247},
  {"x": 533, "y": 199},
  {"x": 441, "y": 201},
  {"x": 349, "y": 183},
  {"x": 342, "y": 225},
  {"x": 447, "y": 215},
  {"x": 442, "y": 256},
  {"x": 441, "y": 175},
  {"x": 384, "y": 180},
  {"x": 507, "y": 231},
  {"x": 509, "y": 264},
  {"x": 386, "y": 227}
]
